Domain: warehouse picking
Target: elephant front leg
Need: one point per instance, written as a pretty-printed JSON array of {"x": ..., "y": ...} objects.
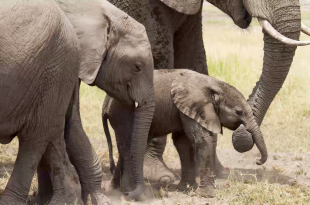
[
  {"x": 82, "y": 155},
  {"x": 188, "y": 161},
  {"x": 206, "y": 152}
]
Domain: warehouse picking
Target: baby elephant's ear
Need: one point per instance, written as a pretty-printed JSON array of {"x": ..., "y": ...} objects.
[{"x": 193, "y": 98}]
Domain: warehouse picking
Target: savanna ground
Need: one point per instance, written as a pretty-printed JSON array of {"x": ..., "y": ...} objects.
[{"x": 234, "y": 56}]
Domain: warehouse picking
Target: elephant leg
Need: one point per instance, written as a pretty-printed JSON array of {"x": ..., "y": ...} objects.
[
  {"x": 82, "y": 155},
  {"x": 221, "y": 171},
  {"x": 45, "y": 186},
  {"x": 188, "y": 45},
  {"x": 206, "y": 151},
  {"x": 31, "y": 148},
  {"x": 204, "y": 143},
  {"x": 122, "y": 120},
  {"x": 116, "y": 179},
  {"x": 188, "y": 161},
  {"x": 58, "y": 181},
  {"x": 155, "y": 170},
  {"x": 126, "y": 184}
]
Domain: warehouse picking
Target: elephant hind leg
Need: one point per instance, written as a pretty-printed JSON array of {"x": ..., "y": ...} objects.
[
  {"x": 116, "y": 179},
  {"x": 188, "y": 161},
  {"x": 66, "y": 186},
  {"x": 155, "y": 170}
]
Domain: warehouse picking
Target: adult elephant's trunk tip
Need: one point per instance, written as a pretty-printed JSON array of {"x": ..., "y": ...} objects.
[{"x": 259, "y": 142}]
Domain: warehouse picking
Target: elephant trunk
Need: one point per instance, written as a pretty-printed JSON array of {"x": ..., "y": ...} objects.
[
  {"x": 142, "y": 123},
  {"x": 258, "y": 139},
  {"x": 278, "y": 58}
]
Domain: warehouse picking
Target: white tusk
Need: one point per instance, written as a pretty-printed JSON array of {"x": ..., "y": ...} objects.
[
  {"x": 275, "y": 34},
  {"x": 305, "y": 29},
  {"x": 136, "y": 104}
]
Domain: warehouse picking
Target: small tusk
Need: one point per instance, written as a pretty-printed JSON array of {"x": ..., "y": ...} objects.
[
  {"x": 136, "y": 104},
  {"x": 275, "y": 34},
  {"x": 305, "y": 29}
]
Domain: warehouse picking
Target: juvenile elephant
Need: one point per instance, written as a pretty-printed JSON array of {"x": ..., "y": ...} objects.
[
  {"x": 116, "y": 57},
  {"x": 188, "y": 105},
  {"x": 174, "y": 28}
]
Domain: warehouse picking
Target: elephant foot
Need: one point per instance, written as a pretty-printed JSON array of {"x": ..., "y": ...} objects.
[
  {"x": 206, "y": 191},
  {"x": 185, "y": 186},
  {"x": 156, "y": 171},
  {"x": 97, "y": 198},
  {"x": 136, "y": 195}
]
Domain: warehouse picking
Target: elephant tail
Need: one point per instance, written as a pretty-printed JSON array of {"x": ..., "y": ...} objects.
[{"x": 108, "y": 136}]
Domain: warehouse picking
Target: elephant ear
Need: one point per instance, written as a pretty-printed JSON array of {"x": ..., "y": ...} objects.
[
  {"x": 92, "y": 29},
  {"x": 194, "y": 98},
  {"x": 184, "y": 6}
]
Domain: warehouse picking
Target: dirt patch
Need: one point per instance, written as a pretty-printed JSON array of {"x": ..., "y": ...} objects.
[{"x": 285, "y": 169}]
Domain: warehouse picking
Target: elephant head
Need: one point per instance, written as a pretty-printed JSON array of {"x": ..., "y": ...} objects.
[
  {"x": 235, "y": 10},
  {"x": 281, "y": 27},
  {"x": 213, "y": 104},
  {"x": 117, "y": 58}
]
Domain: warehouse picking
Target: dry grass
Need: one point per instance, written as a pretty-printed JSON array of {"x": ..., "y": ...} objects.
[{"x": 234, "y": 56}]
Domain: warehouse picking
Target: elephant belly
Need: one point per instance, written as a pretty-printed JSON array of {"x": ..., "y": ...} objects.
[{"x": 165, "y": 122}]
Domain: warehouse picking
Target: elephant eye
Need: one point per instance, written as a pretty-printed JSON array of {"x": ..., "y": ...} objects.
[
  {"x": 239, "y": 111},
  {"x": 138, "y": 67}
]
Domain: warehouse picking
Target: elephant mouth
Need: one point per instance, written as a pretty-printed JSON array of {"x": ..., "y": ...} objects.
[{"x": 245, "y": 21}]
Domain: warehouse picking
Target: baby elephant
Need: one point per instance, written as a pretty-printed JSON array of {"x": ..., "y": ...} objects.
[{"x": 193, "y": 107}]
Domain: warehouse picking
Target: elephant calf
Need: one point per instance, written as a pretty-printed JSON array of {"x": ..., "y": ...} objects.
[{"x": 193, "y": 107}]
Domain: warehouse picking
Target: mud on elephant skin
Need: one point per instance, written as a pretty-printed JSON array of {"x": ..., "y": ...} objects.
[
  {"x": 116, "y": 57},
  {"x": 193, "y": 107}
]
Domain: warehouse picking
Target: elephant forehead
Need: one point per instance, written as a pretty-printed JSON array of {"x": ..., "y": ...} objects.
[{"x": 184, "y": 6}]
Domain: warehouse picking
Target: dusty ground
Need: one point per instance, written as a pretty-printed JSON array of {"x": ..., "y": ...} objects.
[{"x": 285, "y": 169}]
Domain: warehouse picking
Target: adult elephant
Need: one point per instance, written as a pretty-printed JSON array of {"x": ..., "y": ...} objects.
[
  {"x": 175, "y": 31},
  {"x": 39, "y": 64},
  {"x": 116, "y": 57}
]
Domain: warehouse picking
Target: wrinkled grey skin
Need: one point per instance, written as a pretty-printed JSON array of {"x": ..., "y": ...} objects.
[
  {"x": 39, "y": 61},
  {"x": 285, "y": 17},
  {"x": 188, "y": 105},
  {"x": 174, "y": 28},
  {"x": 167, "y": 30},
  {"x": 116, "y": 57}
]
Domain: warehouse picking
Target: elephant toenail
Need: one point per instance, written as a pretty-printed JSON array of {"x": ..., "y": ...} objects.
[{"x": 165, "y": 180}]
